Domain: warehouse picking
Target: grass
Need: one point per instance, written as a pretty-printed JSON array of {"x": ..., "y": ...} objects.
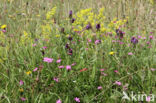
[{"x": 98, "y": 58}]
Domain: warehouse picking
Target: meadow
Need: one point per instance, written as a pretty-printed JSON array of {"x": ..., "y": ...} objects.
[{"x": 77, "y": 51}]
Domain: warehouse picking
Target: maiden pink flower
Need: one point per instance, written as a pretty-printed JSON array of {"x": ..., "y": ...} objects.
[
  {"x": 102, "y": 70},
  {"x": 58, "y": 101},
  {"x": 21, "y": 82},
  {"x": 118, "y": 83},
  {"x": 60, "y": 67},
  {"x": 68, "y": 67},
  {"x": 58, "y": 61},
  {"x": 48, "y": 60},
  {"x": 99, "y": 87},
  {"x": 35, "y": 69},
  {"x": 3, "y": 31},
  {"x": 73, "y": 64},
  {"x": 34, "y": 45},
  {"x": 89, "y": 40},
  {"x": 77, "y": 99},
  {"x": 23, "y": 99},
  {"x": 139, "y": 37},
  {"x": 152, "y": 69},
  {"x": 56, "y": 79},
  {"x": 116, "y": 71},
  {"x": 130, "y": 53},
  {"x": 44, "y": 47},
  {"x": 148, "y": 98}
]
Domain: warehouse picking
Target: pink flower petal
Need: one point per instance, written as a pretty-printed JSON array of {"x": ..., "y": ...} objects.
[
  {"x": 99, "y": 87},
  {"x": 58, "y": 101},
  {"x": 58, "y": 61},
  {"x": 48, "y": 60},
  {"x": 61, "y": 67},
  {"x": 77, "y": 99},
  {"x": 23, "y": 99},
  {"x": 21, "y": 82},
  {"x": 118, "y": 83},
  {"x": 148, "y": 98},
  {"x": 68, "y": 67},
  {"x": 35, "y": 69}
]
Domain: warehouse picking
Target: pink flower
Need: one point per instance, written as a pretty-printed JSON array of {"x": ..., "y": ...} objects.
[
  {"x": 130, "y": 53},
  {"x": 89, "y": 40},
  {"x": 144, "y": 38},
  {"x": 77, "y": 99},
  {"x": 139, "y": 36},
  {"x": 148, "y": 42},
  {"x": 121, "y": 42},
  {"x": 116, "y": 71},
  {"x": 34, "y": 45},
  {"x": 148, "y": 98},
  {"x": 23, "y": 99},
  {"x": 152, "y": 69},
  {"x": 56, "y": 79},
  {"x": 73, "y": 64},
  {"x": 118, "y": 83},
  {"x": 151, "y": 37},
  {"x": 61, "y": 67},
  {"x": 3, "y": 31},
  {"x": 102, "y": 70},
  {"x": 97, "y": 41},
  {"x": 99, "y": 87},
  {"x": 68, "y": 67},
  {"x": 44, "y": 47},
  {"x": 86, "y": 48},
  {"x": 58, "y": 61},
  {"x": 58, "y": 101},
  {"x": 35, "y": 69},
  {"x": 21, "y": 82},
  {"x": 48, "y": 60}
]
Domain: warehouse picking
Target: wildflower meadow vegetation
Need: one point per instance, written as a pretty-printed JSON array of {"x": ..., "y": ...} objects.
[{"x": 77, "y": 51}]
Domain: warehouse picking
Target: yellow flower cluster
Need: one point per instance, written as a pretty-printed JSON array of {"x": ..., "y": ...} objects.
[
  {"x": 46, "y": 30},
  {"x": 26, "y": 38},
  {"x": 117, "y": 23},
  {"x": 85, "y": 16},
  {"x": 51, "y": 13}
]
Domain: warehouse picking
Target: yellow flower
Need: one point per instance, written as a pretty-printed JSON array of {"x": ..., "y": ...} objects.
[
  {"x": 21, "y": 89},
  {"x": 57, "y": 36},
  {"x": 3, "y": 26},
  {"x": 29, "y": 72},
  {"x": 51, "y": 13},
  {"x": 111, "y": 53}
]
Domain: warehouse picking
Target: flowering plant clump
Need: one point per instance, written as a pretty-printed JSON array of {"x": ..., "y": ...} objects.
[{"x": 78, "y": 51}]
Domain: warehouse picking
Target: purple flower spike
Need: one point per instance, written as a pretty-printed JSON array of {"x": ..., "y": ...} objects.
[
  {"x": 134, "y": 40},
  {"x": 98, "y": 26},
  {"x": 88, "y": 26},
  {"x": 72, "y": 20},
  {"x": 70, "y": 14}
]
